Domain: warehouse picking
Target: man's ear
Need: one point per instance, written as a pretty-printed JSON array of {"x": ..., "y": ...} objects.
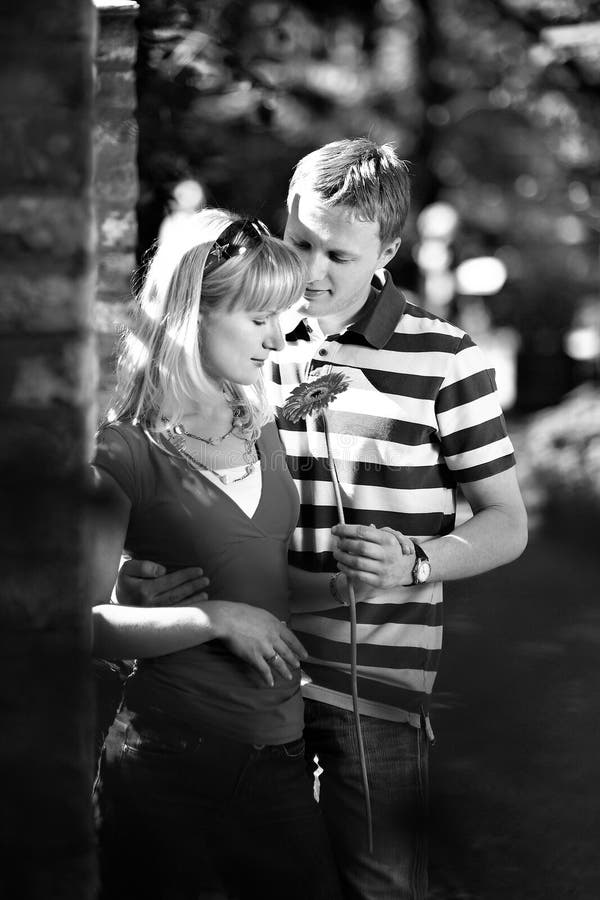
[{"x": 388, "y": 252}]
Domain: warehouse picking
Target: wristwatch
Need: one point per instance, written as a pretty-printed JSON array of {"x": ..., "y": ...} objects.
[{"x": 422, "y": 567}]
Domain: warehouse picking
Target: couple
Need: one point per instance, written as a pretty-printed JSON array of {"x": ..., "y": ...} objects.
[{"x": 203, "y": 790}]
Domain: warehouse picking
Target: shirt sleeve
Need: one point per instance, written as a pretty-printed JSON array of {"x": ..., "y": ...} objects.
[
  {"x": 471, "y": 423},
  {"x": 115, "y": 454}
]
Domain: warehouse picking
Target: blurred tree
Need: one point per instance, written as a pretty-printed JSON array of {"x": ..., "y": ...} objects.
[
  {"x": 494, "y": 101},
  {"x": 233, "y": 93},
  {"x": 516, "y": 151}
]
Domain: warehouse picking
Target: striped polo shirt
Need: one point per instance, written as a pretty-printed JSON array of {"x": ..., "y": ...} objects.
[{"x": 421, "y": 415}]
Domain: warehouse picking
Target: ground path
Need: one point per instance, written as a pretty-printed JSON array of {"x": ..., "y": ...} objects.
[{"x": 515, "y": 771}]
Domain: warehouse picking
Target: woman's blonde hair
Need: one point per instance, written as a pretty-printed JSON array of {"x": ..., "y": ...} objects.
[{"x": 160, "y": 364}]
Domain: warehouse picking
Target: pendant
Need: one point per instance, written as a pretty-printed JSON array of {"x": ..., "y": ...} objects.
[
  {"x": 177, "y": 437},
  {"x": 231, "y": 479}
]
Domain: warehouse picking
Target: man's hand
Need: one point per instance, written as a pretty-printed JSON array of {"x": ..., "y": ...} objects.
[
  {"x": 257, "y": 637},
  {"x": 144, "y": 583},
  {"x": 251, "y": 633},
  {"x": 380, "y": 557}
]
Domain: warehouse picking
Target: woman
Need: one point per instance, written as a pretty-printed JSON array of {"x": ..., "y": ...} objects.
[{"x": 202, "y": 790}]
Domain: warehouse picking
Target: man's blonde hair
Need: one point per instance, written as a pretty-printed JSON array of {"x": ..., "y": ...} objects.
[{"x": 367, "y": 177}]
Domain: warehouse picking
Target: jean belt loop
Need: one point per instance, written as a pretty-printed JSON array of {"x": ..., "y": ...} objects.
[{"x": 426, "y": 724}]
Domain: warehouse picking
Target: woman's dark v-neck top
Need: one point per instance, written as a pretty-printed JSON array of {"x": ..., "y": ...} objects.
[{"x": 180, "y": 518}]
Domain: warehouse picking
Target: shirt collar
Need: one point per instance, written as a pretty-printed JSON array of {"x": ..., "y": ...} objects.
[
  {"x": 382, "y": 311},
  {"x": 378, "y": 318}
]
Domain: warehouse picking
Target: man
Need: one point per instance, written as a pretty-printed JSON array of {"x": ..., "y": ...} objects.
[{"x": 420, "y": 417}]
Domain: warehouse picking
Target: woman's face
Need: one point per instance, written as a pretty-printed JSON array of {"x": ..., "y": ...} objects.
[{"x": 235, "y": 345}]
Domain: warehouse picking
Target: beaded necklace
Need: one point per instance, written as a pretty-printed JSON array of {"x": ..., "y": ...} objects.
[
  {"x": 177, "y": 435},
  {"x": 213, "y": 441}
]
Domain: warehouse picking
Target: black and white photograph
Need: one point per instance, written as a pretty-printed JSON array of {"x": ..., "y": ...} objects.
[{"x": 300, "y": 450}]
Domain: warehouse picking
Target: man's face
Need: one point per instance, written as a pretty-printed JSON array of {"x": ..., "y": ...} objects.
[{"x": 341, "y": 254}]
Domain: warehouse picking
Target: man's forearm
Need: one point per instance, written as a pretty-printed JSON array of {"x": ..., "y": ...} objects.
[
  {"x": 495, "y": 535},
  {"x": 490, "y": 538}
]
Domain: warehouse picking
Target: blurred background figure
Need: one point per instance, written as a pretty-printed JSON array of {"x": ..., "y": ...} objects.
[{"x": 187, "y": 198}]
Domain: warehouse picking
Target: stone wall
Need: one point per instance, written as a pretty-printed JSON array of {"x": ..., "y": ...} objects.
[
  {"x": 115, "y": 177},
  {"x": 47, "y": 413}
]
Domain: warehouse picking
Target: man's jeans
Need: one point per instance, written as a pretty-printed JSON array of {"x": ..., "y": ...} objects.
[
  {"x": 185, "y": 815},
  {"x": 396, "y": 757}
]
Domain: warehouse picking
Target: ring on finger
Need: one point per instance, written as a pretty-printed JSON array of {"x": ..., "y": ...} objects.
[{"x": 272, "y": 659}]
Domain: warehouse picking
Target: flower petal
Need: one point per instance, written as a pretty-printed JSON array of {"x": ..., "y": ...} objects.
[{"x": 312, "y": 397}]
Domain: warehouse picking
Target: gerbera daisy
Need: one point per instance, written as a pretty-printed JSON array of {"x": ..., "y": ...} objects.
[
  {"x": 307, "y": 399},
  {"x": 312, "y": 397}
]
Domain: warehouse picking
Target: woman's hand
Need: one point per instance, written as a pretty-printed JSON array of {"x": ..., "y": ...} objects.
[
  {"x": 251, "y": 633},
  {"x": 257, "y": 637},
  {"x": 362, "y": 590}
]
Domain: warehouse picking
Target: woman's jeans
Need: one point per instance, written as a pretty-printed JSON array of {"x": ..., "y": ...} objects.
[
  {"x": 189, "y": 815},
  {"x": 396, "y": 757}
]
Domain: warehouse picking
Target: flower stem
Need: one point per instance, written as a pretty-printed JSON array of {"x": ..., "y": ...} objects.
[{"x": 353, "y": 646}]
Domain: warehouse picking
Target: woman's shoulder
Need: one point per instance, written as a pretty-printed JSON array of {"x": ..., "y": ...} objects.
[
  {"x": 122, "y": 450},
  {"x": 125, "y": 427},
  {"x": 121, "y": 433},
  {"x": 122, "y": 440}
]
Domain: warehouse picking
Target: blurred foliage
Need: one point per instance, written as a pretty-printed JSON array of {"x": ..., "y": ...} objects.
[
  {"x": 233, "y": 93},
  {"x": 494, "y": 102},
  {"x": 558, "y": 452}
]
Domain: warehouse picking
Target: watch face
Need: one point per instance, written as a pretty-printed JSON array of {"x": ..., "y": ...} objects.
[{"x": 423, "y": 571}]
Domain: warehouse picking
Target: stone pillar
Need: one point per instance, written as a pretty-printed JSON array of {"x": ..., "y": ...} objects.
[
  {"x": 47, "y": 385},
  {"x": 115, "y": 178}
]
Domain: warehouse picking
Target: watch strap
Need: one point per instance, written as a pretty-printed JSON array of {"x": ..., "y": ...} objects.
[
  {"x": 420, "y": 556},
  {"x": 419, "y": 552}
]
